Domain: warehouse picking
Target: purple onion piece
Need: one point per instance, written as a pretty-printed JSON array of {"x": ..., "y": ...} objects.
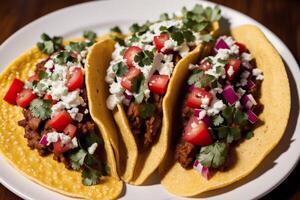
[
  {"x": 250, "y": 85},
  {"x": 207, "y": 120},
  {"x": 128, "y": 98},
  {"x": 220, "y": 44},
  {"x": 204, "y": 171},
  {"x": 248, "y": 101},
  {"x": 252, "y": 117},
  {"x": 191, "y": 87},
  {"x": 197, "y": 111},
  {"x": 229, "y": 95},
  {"x": 44, "y": 140}
]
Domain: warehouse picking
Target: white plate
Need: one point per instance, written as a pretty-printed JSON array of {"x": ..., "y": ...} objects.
[{"x": 100, "y": 16}]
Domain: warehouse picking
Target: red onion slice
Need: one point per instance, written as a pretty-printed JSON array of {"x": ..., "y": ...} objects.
[
  {"x": 128, "y": 98},
  {"x": 44, "y": 140},
  {"x": 206, "y": 119},
  {"x": 229, "y": 95},
  {"x": 250, "y": 85},
  {"x": 220, "y": 44},
  {"x": 252, "y": 117},
  {"x": 248, "y": 101},
  {"x": 204, "y": 171}
]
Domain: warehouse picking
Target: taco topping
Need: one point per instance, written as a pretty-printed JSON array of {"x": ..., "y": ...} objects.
[
  {"x": 219, "y": 107},
  {"x": 55, "y": 108},
  {"x": 143, "y": 62}
]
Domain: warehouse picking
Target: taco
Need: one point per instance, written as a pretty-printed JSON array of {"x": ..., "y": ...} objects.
[
  {"x": 137, "y": 69},
  {"x": 53, "y": 135},
  {"x": 221, "y": 139}
]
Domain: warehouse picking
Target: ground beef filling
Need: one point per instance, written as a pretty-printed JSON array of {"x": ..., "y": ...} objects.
[
  {"x": 145, "y": 130},
  {"x": 185, "y": 152}
]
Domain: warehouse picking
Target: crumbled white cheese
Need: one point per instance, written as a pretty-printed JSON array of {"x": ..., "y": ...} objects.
[
  {"x": 202, "y": 114},
  {"x": 74, "y": 142},
  {"x": 49, "y": 65},
  {"x": 216, "y": 107},
  {"x": 73, "y": 99},
  {"x": 93, "y": 148},
  {"x": 73, "y": 112},
  {"x": 246, "y": 57},
  {"x": 113, "y": 100},
  {"x": 52, "y": 137},
  {"x": 230, "y": 71},
  {"x": 59, "y": 106},
  {"x": 79, "y": 117},
  {"x": 258, "y": 73},
  {"x": 86, "y": 111},
  {"x": 192, "y": 66}
]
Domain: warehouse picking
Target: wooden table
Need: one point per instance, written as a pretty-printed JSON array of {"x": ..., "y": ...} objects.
[{"x": 280, "y": 16}]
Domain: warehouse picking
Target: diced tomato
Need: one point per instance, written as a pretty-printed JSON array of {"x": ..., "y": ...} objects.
[
  {"x": 205, "y": 65},
  {"x": 49, "y": 98},
  {"x": 158, "y": 84},
  {"x": 76, "y": 79},
  {"x": 70, "y": 130},
  {"x": 242, "y": 47},
  {"x": 196, "y": 132},
  {"x": 13, "y": 90},
  {"x": 130, "y": 53},
  {"x": 25, "y": 97},
  {"x": 235, "y": 63},
  {"x": 60, "y": 121},
  {"x": 34, "y": 77},
  {"x": 159, "y": 42},
  {"x": 196, "y": 97},
  {"x": 59, "y": 148},
  {"x": 126, "y": 81}
]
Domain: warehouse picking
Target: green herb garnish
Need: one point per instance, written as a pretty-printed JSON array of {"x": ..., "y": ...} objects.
[
  {"x": 77, "y": 159},
  {"x": 213, "y": 155},
  {"x": 40, "y": 108},
  {"x": 146, "y": 110},
  {"x": 116, "y": 29},
  {"x": 120, "y": 69},
  {"x": 144, "y": 58},
  {"x": 90, "y": 35},
  {"x": 49, "y": 45}
]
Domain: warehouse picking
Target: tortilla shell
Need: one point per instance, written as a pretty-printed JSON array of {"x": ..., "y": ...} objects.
[
  {"x": 44, "y": 170},
  {"x": 275, "y": 96}
]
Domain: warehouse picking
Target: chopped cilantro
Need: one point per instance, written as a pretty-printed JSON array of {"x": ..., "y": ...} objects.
[
  {"x": 195, "y": 77},
  {"x": 227, "y": 113},
  {"x": 77, "y": 159},
  {"x": 218, "y": 120},
  {"x": 64, "y": 57},
  {"x": 206, "y": 80},
  {"x": 213, "y": 155},
  {"x": 144, "y": 58},
  {"x": 49, "y": 45},
  {"x": 120, "y": 69},
  {"x": 249, "y": 135},
  {"x": 164, "y": 17},
  {"x": 76, "y": 46},
  {"x": 234, "y": 134},
  {"x": 43, "y": 75},
  {"x": 135, "y": 84},
  {"x": 142, "y": 87},
  {"x": 188, "y": 36},
  {"x": 240, "y": 118},
  {"x": 116, "y": 29},
  {"x": 90, "y": 176},
  {"x": 177, "y": 36},
  {"x": 118, "y": 39},
  {"x": 135, "y": 28},
  {"x": 90, "y": 35},
  {"x": 146, "y": 110},
  {"x": 40, "y": 108}
]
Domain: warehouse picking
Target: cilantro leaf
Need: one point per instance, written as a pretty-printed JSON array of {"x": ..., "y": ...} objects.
[
  {"x": 206, "y": 80},
  {"x": 76, "y": 46},
  {"x": 77, "y": 159},
  {"x": 90, "y": 35},
  {"x": 144, "y": 58},
  {"x": 227, "y": 113},
  {"x": 240, "y": 118},
  {"x": 218, "y": 120},
  {"x": 64, "y": 57},
  {"x": 90, "y": 176},
  {"x": 206, "y": 37},
  {"x": 135, "y": 28},
  {"x": 146, "y": 110},
  {"x": 49, "y": 45},
  {"x": 177, "y": 36},
  {"x": 142, "y": 87},
  {"x": 43, "y": 75},
  {"x": 234, "y": 134},
  {"x": 195, "y": 77},
  {"x": 40, "y": 108},
  {"x": 188, "y": 36},
  {"x": 213, "y": 155},
  {"x": 120, "y": 69},
  {"x": 249, "y": 135},
  {"x": 164, "y": 17},
  {"x": 116, "y": 29}
]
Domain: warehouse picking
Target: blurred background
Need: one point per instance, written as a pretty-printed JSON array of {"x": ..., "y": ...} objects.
[{"x": 281, "y": 16}]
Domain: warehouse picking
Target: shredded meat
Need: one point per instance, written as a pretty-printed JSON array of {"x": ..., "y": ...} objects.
[
  {"x": 185, "y": 154},
  {"x": 146, "y": 130}
]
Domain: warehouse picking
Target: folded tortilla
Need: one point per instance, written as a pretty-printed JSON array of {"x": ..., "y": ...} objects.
[
  {"x": 44, "y": 170},
  {"x": 135, "y": 167},
  {"x": 275, "y": 96}
]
